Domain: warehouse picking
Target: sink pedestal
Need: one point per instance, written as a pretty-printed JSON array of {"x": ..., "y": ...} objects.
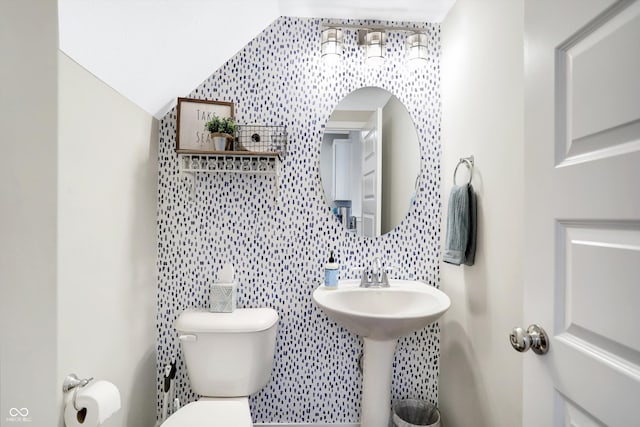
[{"x": 377, "y": 370}]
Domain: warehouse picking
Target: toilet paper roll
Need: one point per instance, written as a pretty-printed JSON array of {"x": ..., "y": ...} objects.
[{"x": 97, "y": 402}]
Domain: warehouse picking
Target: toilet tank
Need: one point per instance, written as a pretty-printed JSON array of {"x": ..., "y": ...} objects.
[{"x": 228, "y": 354}]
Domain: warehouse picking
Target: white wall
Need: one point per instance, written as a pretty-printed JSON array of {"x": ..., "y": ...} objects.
[
  {"x": 482, "y": 100},
  {"x": 28, "y": 75},
  {"x": 400, "y": 164},
  {"x": 107, "y": 241}
]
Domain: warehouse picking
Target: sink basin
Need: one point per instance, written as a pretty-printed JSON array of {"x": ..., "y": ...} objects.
[{"x": 383, "y": 313}]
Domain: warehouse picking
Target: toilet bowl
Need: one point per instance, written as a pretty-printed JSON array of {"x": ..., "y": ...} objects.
[{"x": 229, "y": 356}]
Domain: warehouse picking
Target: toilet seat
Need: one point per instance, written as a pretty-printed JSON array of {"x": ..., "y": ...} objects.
[{"x": 223, "y": 412}]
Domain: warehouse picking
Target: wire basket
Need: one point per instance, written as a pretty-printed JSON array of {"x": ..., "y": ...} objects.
[{"x": 261, "y": 139}]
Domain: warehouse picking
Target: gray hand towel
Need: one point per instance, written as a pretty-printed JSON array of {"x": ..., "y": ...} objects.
[
  {"x": 460, "y": 244},
  {"x": 470, "y": 252},
  {"x": 457, "y": 225}
]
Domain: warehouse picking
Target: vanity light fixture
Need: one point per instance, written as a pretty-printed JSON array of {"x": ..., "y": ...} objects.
[
  {"x": 374, "y": 39},
  {"x": 332, "y": 45},
  {"x": 417, "y": 54}
]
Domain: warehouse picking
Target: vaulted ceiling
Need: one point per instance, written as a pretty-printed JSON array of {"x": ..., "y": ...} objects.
[{"x": 152, "y": 51}]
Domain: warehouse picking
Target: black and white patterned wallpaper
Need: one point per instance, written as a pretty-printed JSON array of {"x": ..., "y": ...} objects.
[{"x": 279, "y": 248}]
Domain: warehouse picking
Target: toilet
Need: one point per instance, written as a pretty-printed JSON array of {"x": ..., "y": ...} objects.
[{"x": 229, "y": 356}]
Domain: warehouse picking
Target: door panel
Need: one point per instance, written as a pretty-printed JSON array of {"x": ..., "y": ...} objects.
[
  {"x": 574, "y": 415},
  {"x": 598, "y": 88},
  {"x": 602, "y": 276},
  {"x": 610, "y": 55}
]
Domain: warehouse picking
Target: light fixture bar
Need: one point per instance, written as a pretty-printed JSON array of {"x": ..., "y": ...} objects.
[
  {"x": 374, "y": 27},
  {"x": 374, "y": 38}
]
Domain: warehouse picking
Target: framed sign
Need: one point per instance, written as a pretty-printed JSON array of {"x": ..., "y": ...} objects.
[{"x": 191, "y": 136}]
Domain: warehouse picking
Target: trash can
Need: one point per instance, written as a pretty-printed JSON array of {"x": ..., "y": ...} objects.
[{"x": 413, "y": 412}]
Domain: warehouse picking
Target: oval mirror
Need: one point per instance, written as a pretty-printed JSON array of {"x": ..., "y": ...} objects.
[{"x": 370, "y": 162}]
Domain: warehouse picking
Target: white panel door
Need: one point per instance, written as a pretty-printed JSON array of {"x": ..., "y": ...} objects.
[
  {"x": 372, "y": 175},
  {"x": 582, "y": 220}
]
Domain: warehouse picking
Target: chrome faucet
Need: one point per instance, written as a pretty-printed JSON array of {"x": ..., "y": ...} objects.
[{"x": 376, "y": 277}]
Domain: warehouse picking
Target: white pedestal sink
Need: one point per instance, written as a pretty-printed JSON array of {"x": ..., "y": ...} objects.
[{"x": 381, "y": 316}]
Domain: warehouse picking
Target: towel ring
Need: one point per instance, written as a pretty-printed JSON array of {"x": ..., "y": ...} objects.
[{"x": 468, "y": 162}]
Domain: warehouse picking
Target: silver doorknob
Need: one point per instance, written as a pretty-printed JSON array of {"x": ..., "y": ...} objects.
[{"x": 534, "y": 338}]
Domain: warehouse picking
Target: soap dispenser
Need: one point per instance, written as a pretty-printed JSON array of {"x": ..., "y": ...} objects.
[{"x": 331, "y": 273}]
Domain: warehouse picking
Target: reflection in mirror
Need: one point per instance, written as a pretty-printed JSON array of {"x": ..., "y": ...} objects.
[{"x": 370, "y": 162}]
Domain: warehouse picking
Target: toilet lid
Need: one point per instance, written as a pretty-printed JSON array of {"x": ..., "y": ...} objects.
[{"x": 218, "y": 413}]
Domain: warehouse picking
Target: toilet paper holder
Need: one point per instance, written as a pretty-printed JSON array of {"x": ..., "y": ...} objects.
[{"x": 72, "y": 382}]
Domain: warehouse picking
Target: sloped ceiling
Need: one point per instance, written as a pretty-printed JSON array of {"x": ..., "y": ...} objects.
[{"x": 152, "y": 51}]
